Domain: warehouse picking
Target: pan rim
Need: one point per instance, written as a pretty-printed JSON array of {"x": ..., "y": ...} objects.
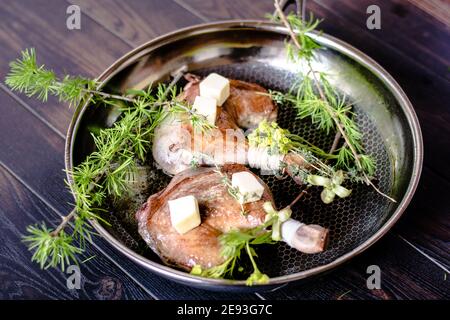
[{"x": 323, "y": 38}]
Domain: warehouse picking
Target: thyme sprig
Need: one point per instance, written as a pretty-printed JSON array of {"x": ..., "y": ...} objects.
[
  {"x": 107, "y": 171},
  {"x": 232, "y": 191},
  {"x": 224, "y": 180}
]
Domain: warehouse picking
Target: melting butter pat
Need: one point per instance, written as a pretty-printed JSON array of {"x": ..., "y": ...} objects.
[
  {"x": 215, "y": 86},
  {"x": 248, "y": 187},
  {"x": 206, "y": 107},
  {"x": 184, "y": 214}
]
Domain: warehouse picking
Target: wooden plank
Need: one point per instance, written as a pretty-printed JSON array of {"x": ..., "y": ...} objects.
[
  {"x": 428, "y": 92},
  {"x": 22, "y": 279},
  {"x": 425, "y": 222},
  {"x": 403, "y": 27},
  {"x": 404, "y": 275},
  {"x": 439, "y": 9},
  {"x": 231, "y": 9},
  {"x": 51, "y": 175},
  {"x": 42, "y": 24},
  {"x": 35, "y": 154},
  {"x": 84, "y": 52},
  {"x": 137, "y": 21}
]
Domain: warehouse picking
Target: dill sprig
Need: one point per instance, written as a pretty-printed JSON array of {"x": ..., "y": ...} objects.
[
  {"x": 316, "y": 98},
  {"x": 107, "y": 171}
]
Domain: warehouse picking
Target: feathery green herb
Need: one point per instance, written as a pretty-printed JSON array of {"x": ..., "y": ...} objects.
[
  {"x": 107, "y": 171},
  {"x": 50, "y": 250},
  {"x": 315, "y": 98}
]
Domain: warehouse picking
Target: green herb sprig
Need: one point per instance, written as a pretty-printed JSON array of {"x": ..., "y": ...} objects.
[
  {"x": 317, "y": 172},
  {"x": 226, "y": 182},
  {"x": 310, "y": 105},
  {"x": 232, "y": 244},
  {"x": 107, "y": 171},
  {"x": 316, "y": 98},
  {"x": 235, "y": 241}
]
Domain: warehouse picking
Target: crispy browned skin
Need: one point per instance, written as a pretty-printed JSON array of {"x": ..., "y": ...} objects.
[
  {"x": 191, "y": 89},
  {"x": 247, "y": 105},
  {"x": 220, "y": 213}
]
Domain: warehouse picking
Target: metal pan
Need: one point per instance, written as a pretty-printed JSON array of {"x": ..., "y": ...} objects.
[{"x": 254, "y": 51}]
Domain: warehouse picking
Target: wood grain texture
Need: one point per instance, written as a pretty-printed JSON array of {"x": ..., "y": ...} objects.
[
  {"x": 231, "y": 9},
  {"x": 137, "y": 21},
  {"x": 42, "y": 24},
  {"x": 404, "y": 275},
  {"x": 404, "y": 27},
  {"x": 426, "y": 221},
  {"x": 22, "y": 279},
  {"x": 439, "y": 9}
]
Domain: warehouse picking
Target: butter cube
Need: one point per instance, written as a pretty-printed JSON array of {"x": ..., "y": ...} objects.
[
  {"x": 206, "y": 107},
  {"x": 215, "y": 86},
  {"x": 184, "y": 214},
  {"x": 249, "y": 188}
]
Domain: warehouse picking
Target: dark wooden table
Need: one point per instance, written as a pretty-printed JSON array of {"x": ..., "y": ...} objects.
[{"x": 413, "y": 45}]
